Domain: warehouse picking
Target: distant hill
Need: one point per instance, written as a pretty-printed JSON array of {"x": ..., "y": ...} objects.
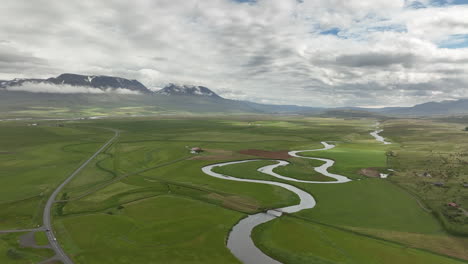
[
  {"x": 22, "y": 104},
  {"x": 21, "y": 96},
  {"x": 455, "y": 107},
  {"x": 444, "y": 108},
  {"x": 348, "y": 113}
]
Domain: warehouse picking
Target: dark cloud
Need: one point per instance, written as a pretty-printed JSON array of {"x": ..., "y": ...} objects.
[
  {"x": 10, "y": 55},
  {"x": 375, "y": 59},
  {"x": 16, "y": 62}
]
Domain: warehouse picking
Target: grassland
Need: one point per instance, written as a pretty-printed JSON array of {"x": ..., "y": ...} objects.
[
  {"x": 430, "y": 152},
  {"x": 41, "y": 238},
  {"x": 308, "y": 242},
  {"x": 34, "y": 160},
  {"x": 145, "y": 198},
  {"x": 302, "y": 169},
  {"x": 12, "y": 252},
  {"x": 167, "y": 228}
]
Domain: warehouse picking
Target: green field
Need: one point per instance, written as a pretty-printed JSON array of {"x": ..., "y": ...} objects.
[
  {"x": 432, "y": 152},
  {"x": 169, "y": 229},
  {"x": 13, "y": 252},
  {"x": 308, "y": 242},
  {"x": 146, "y": 200}
]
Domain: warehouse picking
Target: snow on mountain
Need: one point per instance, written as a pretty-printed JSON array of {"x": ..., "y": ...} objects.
[{"x": 174, "y": 89}]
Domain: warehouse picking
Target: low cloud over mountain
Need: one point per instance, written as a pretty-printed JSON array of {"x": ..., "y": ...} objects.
[
  {"x": 65, "y": 89},
  {"x": 75, "y": 83}
]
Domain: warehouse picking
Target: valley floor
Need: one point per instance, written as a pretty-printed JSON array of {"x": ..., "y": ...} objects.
[{"x": 145, "y": 199}]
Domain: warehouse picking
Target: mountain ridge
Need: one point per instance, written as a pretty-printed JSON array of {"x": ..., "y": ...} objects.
[{"x": 184, "y": 96}]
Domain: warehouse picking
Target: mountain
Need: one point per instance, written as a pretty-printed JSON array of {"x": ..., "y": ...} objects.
[
  {"x": 352, "y": 113},
  {"x": 27, "y": 97},
  {"x": 190, "y": 90},
  {"x": 92, "y": 81},
  {"x": 443, "y": 108},
  {"x": 453, "y": 107},
  {"x": 173, "y": 98},
  {"x": 18, "y": 82},
  {"x": 284, "y": 109}
]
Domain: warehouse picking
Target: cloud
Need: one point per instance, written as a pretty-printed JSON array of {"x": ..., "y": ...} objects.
[
  {"x": 311, "y": 52},
  {"x": 19, "y": 62},
  {"x": 376, "y": 60},
  {"x": 66, "y": 89}
]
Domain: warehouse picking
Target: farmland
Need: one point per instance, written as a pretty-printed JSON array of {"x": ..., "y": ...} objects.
[{"x": 145, "y": 199}]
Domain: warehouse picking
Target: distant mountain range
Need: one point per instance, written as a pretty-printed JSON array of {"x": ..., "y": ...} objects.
[
  {"x": 71, "y": 95},
  {"x": 19, "y": 95},
  {"x": 443, "y": 108},
  {"x": 453, "y": 107}
]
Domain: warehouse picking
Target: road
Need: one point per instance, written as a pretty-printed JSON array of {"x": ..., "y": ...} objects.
[
  {"x": 47, "y": 217},
  {"x": 22, "y": 230}
]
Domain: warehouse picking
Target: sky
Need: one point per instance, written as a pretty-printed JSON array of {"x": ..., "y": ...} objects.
[{"x": 304, "y": 52}]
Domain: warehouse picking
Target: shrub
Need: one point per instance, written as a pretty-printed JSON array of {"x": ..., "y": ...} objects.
[{"x": 14, "y": 254}]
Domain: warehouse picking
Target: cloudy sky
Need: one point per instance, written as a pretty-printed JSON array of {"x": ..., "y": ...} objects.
[{"x": 306, "y": 52}]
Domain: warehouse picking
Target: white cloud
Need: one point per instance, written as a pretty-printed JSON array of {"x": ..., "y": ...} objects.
[
  {"x": 66, "y": 89},
  {"x": 270, "y": 50}
]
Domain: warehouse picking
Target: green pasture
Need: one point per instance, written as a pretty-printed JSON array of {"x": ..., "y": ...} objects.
[
  {"x": 302, "y": 169},
  {"x": 145, "y": 198},
  {"x": 12, "y": 252},
  {"x": 371, "y": 203},
  {"x": 351, "y": 157},
  {"x": 307, "y": 242},
  {"x": 34, "y": 160},
  {"x": 164, "y": 229},
  {"x": 438, "y": 150},
  {"x": 41, "y": 238}
]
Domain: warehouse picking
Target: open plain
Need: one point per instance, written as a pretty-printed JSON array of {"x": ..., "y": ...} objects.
[{"x": 145, "y": 198}]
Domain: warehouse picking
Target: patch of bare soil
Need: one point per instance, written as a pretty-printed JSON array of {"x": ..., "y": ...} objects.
[
  {"x": 282, "y": 154},
  {"x": 370, "y": 172}
]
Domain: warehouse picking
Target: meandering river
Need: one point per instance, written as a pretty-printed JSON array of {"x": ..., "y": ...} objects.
[
  {"x": 239, "y": 241},
  {"x": 378, "y": 137}
]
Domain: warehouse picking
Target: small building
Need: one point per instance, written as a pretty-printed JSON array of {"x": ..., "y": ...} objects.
[
  {"x": 196, "y": 150},
  {"x": 452, "y": 204},
  {"x": 438, "y": 184},
  {"x": 427, "y": 174}
]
